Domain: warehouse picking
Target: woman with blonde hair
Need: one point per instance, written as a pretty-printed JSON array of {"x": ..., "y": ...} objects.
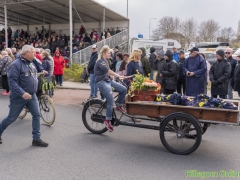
[
  {"x": 134, "y": 66},
  {"x": 105, "y": 83},
  {"x": 10, "y": 54}
]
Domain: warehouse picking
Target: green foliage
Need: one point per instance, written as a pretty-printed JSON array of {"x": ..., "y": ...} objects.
[{"x": 73, "y": 73}]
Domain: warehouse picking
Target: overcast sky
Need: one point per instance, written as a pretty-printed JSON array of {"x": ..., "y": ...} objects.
[{"x": 225, "y": 12}]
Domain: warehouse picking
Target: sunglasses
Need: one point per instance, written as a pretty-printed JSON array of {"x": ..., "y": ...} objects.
[{"x": 227, "y": 53}]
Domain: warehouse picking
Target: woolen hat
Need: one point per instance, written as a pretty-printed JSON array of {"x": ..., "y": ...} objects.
[
  {"x": 181, "y": 52},
  {"x": 220, "y": 53},
  {"x": 194, "y": 49},
  {"x": 161, "y": 53},
  {"x": 169, "y": 53}
]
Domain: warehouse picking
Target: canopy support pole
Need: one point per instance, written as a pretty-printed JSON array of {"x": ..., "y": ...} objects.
[
  {"x": 104, "y": 24},
  {"x": 71, "y": 29},
  {"x": 6, "y": 32}
]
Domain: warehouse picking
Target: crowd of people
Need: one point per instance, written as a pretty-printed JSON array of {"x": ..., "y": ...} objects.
[
  {"x": 48, "y": 39},
  {"x": 43, "y": 60}
]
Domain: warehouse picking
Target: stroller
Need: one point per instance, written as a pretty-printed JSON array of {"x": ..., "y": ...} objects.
[{"x": 84, "y": 77}]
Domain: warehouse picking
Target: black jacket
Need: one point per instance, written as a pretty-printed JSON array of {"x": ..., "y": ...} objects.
[
  {"x": 160, "y": 64},
  {"x": 220, "y": 73},
  {"x": 180, "y": 70},
  {"x": 145, "y": 62},
  {"x": 233, "y": 63},
  {"x": 170, "y": 73},
  {"x": 236, "y": 78},
  {"x": 153, "y": 57},
  {"x": 92, "y": 62},
  {"x": 114, "y": 61}
]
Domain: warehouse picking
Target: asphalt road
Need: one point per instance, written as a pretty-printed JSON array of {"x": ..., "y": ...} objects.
[{"x": 127, "y": 153}]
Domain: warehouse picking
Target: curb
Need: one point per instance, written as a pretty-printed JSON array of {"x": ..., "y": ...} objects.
[{"x": 75, "y": 88}]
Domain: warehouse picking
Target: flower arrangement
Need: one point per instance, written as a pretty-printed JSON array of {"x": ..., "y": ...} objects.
[
  {"x": 141, "y": 83},
  {"x": 150, "y": 85}
]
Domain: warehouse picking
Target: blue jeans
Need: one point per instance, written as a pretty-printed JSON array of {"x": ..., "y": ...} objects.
[
  {"x": 93, "y": 86},
  {"x": 151, "y": 74},
  {"x": 16, "y": 105},
  {"x": 106, "y": 89},
  {"x": 58, "y": 79}
]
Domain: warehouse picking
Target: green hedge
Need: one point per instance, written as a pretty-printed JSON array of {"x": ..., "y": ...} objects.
[{"x": 73, "y": 73}]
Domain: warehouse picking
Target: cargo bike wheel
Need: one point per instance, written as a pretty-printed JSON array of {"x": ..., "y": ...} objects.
[
  {"x": 180, "y": 133},
  {"x": 92, "y": 108}
]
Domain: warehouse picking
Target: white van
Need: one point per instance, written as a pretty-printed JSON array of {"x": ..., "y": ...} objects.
[{"x": 164, "y": 44}]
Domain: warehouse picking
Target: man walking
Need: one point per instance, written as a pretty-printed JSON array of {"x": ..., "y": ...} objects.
[
  {"x": 219, "y": 76},
  {"x": 181, "y": 81},
  {"x": 194, "y": 68},
  {"x": 23, "y": 82},
  {"x": 90, "y": 68},
  {"x": 233, "y": 62}
]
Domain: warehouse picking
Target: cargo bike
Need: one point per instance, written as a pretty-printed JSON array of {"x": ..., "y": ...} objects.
[{"x": 180, "y": 127}]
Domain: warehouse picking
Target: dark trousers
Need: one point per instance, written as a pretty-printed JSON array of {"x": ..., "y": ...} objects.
[
  {"x": 58, "y": 79},
  {"x": 5, "y": 83},
  {"x": 220, "y": 96},
  {"x": 168, "y": 91},
  {"x": 181, "y": 85}
]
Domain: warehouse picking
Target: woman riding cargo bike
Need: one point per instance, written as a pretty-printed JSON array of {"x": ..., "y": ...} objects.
[{"x": 105, "y": 83}]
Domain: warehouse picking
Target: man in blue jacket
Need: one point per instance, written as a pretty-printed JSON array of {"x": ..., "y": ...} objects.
[
  {"x": 195, "y": 68},
  {"x": 175, "y": 54},
  {"x": 90, "y": 68},
  {"x": 23, "y": 82}
]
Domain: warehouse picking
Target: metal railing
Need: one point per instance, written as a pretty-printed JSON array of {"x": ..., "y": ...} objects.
[{"x": 83, "y": 56}]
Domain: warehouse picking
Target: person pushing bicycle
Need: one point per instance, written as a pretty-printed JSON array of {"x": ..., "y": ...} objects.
[{"x": 23, "y": 82}]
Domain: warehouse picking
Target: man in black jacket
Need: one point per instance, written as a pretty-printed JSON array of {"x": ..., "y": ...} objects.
[
  {"x": 181, "y": 81},
  {"x": 90, "y": 68},
  {"x": 160, "y": 63},
  {"x": 114, "y": 61},
  {"x": 219, "y": 76},
  {"x": 233, "y": 62},
  {"x": 169, "y": 73},
  {"x": 152, "y": 60}
]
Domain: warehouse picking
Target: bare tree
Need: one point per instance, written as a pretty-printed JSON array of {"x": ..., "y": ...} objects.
[
  {"x": 208, "y": 30},
  {"x": 189, "y": 29},
  {"x": 166, "y": 26},
  {"x": 226, "y": 34}
]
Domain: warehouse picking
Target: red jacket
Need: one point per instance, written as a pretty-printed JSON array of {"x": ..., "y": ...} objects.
[
  {"x": 58, "y": 64},
  {"x": 38, "y": 56}
]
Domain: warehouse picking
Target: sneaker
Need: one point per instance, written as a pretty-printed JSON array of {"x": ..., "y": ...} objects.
[
  {"x": 40, "y": 143},
  {"x": 6, "y": 93},
  {"x": 0, "y": 139},
  {"x": 120, "y": 108},
  {"x": 108, "y": 125}
]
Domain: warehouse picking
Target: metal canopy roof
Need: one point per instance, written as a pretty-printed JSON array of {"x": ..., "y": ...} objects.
[{"x": 33, "y": 12}]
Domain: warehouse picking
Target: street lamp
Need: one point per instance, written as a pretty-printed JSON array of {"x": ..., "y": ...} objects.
[
  {"x": 150, "y": 25},
  {"x": 127, "y": 8}
]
